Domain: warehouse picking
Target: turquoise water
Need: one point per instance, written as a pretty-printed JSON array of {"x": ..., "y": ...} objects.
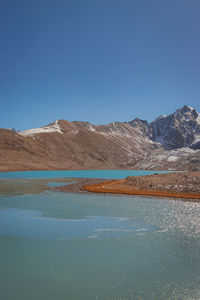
[
  {"x": 80, "y": 246},
  {"x": 57, "y": 184},
  {"x": 110, "y": 174}
]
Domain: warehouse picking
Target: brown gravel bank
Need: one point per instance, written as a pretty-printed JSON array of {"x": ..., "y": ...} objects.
[{"x": 176, "y": 185}]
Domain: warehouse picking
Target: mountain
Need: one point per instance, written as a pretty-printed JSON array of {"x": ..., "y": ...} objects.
[
  {"x": 180, "y": 129},
  {"x": 169, "y": 142}
]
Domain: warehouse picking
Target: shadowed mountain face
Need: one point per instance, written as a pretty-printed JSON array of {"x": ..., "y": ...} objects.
[
  {"x": 169, "y": 142},
  {"x": 181, "y": 129}
]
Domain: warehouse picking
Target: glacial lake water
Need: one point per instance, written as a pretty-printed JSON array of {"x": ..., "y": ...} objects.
[
  {"x": 110, "y": 174},
  {"x": 87, "y": 246}
]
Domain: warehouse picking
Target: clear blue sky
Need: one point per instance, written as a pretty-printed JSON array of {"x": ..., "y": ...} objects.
[{"x": 97, "y": 60}]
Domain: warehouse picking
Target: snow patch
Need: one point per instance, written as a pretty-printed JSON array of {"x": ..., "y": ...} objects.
[
  {"x": 161, "y": 157},
  {"x": 197, "y": 138},
  {"x": 74, "y": 131},
  {"x": 185, "y": 150},
  {"x": 46, "y": 129},
  {"x": 198, "y": 119},
  {"x": 91, "y": 128},
  {"x": 172, "y": 158},
  {"x": 160, "y": 117}
]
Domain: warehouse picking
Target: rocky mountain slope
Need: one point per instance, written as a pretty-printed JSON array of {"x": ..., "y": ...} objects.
[
  {"x": 170, "y": 142},
  {"x": 181, "y": 129}
]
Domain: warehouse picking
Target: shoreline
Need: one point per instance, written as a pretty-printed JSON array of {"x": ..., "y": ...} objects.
[
  {"x": 184, "y": 186},
  {"x": 178, "y": 185},
  {"x": 76, "y": 186},
  {"x": 112, "y": 187},
  {"x": 175, "y": 185},
  {"x": 29, "y": 170}
]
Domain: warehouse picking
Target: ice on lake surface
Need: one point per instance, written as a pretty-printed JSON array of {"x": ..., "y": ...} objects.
[
  {"x": 79, "y": 246},
  {"x": 31, "y": 223}
]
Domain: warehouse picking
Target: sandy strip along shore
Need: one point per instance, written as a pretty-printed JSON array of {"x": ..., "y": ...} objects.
[
  {"x": 184, "y": 185},
  {"x": 176, "y": 185}
]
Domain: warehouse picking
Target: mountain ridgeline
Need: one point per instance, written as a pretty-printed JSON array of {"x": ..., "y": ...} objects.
[{"x": 169, "y": 143}]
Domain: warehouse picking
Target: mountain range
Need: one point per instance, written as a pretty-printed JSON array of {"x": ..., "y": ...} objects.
[{"x": 168, "y": 143}]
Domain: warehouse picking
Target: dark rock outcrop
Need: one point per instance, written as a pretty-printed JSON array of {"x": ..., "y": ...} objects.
[{"x": 177, "y": 130}]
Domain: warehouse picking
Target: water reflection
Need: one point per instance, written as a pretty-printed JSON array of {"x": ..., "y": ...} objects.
[{"x": 30, "y": 223}]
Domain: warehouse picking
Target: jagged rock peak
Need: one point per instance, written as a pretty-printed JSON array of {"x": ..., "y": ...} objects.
[
  {"x": 142, "y": 126},
  {"x": 137, "y": 121},
  {"x": 184, "y": 109},
  {"x": 180, "y": 129},
  {"x": 186, "y": 112}
]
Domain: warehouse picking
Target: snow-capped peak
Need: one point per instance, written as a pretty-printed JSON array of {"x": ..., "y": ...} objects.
[
  {"x": 160, "y": 117},
  {"x": 180, "y": 129},
  {"x": 184, "y": 109},
  {"x": 190, "y": 107},
  {"x": 54, "y": 127}
]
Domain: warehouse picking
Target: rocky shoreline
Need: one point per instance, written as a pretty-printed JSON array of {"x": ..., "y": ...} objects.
[{"x": 185, "y": 185}]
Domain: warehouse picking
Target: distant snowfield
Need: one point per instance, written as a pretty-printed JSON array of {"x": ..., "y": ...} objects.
[
  {"x": 172, "y": 158},
  {"x": 46, "y": 129}
]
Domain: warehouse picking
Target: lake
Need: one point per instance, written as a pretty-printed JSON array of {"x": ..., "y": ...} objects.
[
  {"x": 87, "y": 246},
  {"x": 109, "y": 174}
]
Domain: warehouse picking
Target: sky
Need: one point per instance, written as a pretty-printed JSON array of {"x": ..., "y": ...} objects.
[{"x": 97, "y": 61}]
